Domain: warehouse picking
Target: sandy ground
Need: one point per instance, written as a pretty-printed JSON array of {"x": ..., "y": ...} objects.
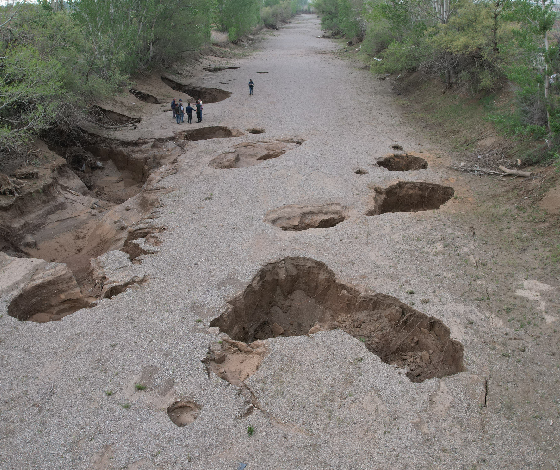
[{"x": 68, "y": 395}]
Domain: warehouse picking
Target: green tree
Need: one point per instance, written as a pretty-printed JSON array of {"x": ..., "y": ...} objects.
[
  {"x": 237, "y": 17},
  {"x": 342, "y": 16},
  {"x": 40, "y": 77},
  {"x": 57, "y": 57},
  {"x": 534, "y": 60}
]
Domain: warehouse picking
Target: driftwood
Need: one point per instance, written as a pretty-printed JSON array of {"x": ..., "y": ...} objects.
[
  {"x": 504, "y": 171},
  {"x": 477, "y": 170},
  {"x": 525, "y": 174}
]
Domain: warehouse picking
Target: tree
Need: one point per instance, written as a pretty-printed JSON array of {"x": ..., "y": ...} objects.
[
  {"x": 535, "y": 19},
  {"x": 56, "y": 57},
  {"x": 237, "y": 17}
]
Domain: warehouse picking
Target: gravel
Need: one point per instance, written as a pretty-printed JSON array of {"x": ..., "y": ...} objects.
[{"x": 65, "y": 386}]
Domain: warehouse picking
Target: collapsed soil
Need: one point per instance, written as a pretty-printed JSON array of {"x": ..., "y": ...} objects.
[
  {"x": 298, "y": 296},
  {"x": 73, "y": 210},
  {"x": 296, "y": 218},
  {"x": 207, "y": 95},
  {"x": 146, "y": 97},
  {"x": 109, "y": 118},
  {"x": 251, "y": 153},
  {"x": 403, "y": 162},
  {"x": 211, "y": 132},
  {"x": 409, "y": 197},
  {"x": 184, "y": 412}
]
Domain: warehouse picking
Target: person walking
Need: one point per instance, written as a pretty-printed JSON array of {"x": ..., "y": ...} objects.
[
  {"x": 251, "y": 85},
  {"x": 199, "y": 110},
  {"x": 189, "y": 109},
  {"x": 173, "y": 106}
]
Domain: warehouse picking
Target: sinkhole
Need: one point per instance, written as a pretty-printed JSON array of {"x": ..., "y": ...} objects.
[
  {"x": 406, "y": 196},
  {"x": 207, "y": 95},
  {"x": 403, "y": 162},
  {"x": 145, "y": 97},
  {"x": 212, "y": 132},
  {"x": 183, "y": 412},
  {"x": 298, "y": 296}
]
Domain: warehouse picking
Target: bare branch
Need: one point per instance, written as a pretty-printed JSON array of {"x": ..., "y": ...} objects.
[{"x": 16, "y": 11}]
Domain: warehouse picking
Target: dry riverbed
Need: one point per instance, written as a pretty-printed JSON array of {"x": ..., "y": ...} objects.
[{"x": 299, "y": 281}]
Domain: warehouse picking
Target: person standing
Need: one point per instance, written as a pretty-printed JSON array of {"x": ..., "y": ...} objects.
[
  {"x": 251, "y": 85},
  {"x": 173, "y": 106},
  {"x": 180, "y": 113},
  {"x": 199, "y": 110},
  {"x": 189, "y": 109}
]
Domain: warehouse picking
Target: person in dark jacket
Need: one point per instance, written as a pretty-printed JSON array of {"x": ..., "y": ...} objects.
[
  {"x": 180, "y": 112},
  {"x": 251, "y": 85},
  {"x": 173, "y": 106},
  {"x": 199, "y": 110},
  {"x": 189, "y": 109}
]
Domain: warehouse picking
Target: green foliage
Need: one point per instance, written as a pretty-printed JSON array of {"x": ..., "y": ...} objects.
[
  {"x": 237, "y": 17},
  {"x": 26, "y": 109},
  {"x": 466, "y": 33},
  {"x": 128, "y": 34},
  {"x": 38, "y": 72},
  {"x": 55, "y": 57},
  {"x": 407, "y": 55},
  {"x": 342, "y": 17},
  {"x": 379, "y": 35},
  {"x": 477, "y": 45},
  {"x": 529, "y": 65},
  {"x": 273, "y": 16}
]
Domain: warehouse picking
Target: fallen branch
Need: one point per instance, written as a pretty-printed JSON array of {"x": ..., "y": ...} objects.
[
  {"x": 525, "y": 174},
  {"x": 504, "y": 171},
  {"x": 477, "y": 170}
]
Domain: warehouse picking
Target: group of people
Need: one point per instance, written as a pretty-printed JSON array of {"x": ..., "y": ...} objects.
[{"x": 179, "y": 111}]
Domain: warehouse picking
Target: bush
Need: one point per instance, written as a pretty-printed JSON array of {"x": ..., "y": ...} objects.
[
  {"x": 273, "y": 16},
  {"x": 54, "y": 61},
  {"x": 342, "y": 17},
  {"x": 377, "y": 37},
  {"x": 237, "y": 17},
  {"x": 402, "y": 56}
]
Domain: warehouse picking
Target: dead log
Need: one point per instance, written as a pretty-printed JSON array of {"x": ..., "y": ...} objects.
[
  {"x": 476, "y": 170},
  {"x": 525, "y": 174}
]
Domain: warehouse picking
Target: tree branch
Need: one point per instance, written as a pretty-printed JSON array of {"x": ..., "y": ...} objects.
[{"x": 11, "y": 17}]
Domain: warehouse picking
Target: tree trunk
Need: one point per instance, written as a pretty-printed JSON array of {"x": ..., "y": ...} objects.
[{"x": 546, "y": 77}]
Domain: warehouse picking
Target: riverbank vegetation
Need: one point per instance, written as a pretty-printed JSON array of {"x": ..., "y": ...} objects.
[
  {"x": 56, "y": 57},
  {"x": 482, "y": 48}
]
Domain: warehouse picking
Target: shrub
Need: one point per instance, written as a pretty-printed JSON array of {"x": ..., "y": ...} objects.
[{"x": 273, "y": 16}]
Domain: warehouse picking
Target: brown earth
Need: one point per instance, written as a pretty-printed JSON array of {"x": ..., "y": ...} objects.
[
  {"x": 299, "y": 296},
  {"x": 235, "y": 361},
  {"x": 403, "y": 162},
  {"x": 409, "y": 197},
  {"x": 305, "y": 217},
  {"x": 251, "y": 153},
  {"x": 91, "y": 189},
  {"x": 84, "y": 195},
  {"x": 183, "y": 412}
]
